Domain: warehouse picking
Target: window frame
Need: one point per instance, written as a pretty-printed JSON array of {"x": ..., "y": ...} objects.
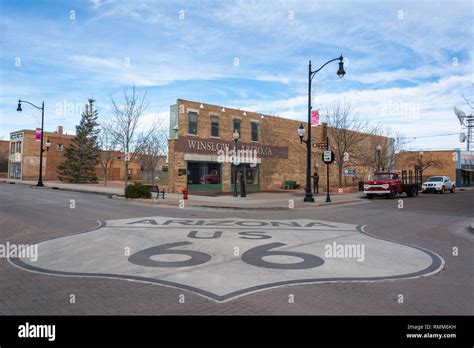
[
  {"x": 215, "y": 118},
  {"x": 189, "y": 121},
  {"x": 239, "y": 121},
  {"x": 252, "y": 124}
]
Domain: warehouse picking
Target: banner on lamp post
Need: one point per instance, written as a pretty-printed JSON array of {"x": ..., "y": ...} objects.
[
  {"x": 314, "y": 118},
  {"x": 38, "y": 135}
]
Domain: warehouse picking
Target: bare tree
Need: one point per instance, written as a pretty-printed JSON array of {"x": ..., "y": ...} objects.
[
  {"x": 346, "y": 131},
  {"x": 415, "y": 159},
  {"x": 108, "y": 153},
  {"x": 126, "y": 124},
  {"x": 379, "y": 153},
  {"x": 153, "y": 149}
]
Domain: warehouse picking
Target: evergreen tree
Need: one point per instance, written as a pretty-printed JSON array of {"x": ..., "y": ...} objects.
[{"x": 82, "y": 155}]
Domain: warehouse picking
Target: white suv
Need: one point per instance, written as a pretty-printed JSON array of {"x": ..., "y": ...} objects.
[{"x": 438, "y": 184}]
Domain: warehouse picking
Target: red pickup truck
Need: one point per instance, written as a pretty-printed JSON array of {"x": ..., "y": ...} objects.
[{"x": 389, "y": 184}]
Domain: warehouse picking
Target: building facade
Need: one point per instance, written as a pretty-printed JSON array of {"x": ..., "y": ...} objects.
[
  {"x": 24, "y": 157},
  {"x": 457, "y": 164},
  {"x": 270, "y": 152}
]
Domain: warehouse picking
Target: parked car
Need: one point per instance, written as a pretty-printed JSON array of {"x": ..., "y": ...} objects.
[{"x": 438, "y": 184}]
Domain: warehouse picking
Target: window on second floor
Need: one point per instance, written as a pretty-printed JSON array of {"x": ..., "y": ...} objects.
[
  {"x": 236, "y": 125},
  {"x": 12, "y": 148},
  {"x": 254, "y": 131},
  {"x": 214, "y": 126},
  {"x": 59, "y": 147},
  {"x": 192, "y": 122}
]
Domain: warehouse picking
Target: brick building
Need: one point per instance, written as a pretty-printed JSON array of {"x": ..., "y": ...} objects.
[
  {"x": 24, "y": 157},
  {"x": 457, "y": 164},
  {"x": 4, "y": 153},
  {"x": 201, "y": 133}
]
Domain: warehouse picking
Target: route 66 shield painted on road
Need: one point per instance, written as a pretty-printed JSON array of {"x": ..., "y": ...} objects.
[{"x": 222, "y": 259}]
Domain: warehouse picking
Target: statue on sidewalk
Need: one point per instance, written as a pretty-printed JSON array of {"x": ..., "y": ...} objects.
[{"x": 315, "y": 182}]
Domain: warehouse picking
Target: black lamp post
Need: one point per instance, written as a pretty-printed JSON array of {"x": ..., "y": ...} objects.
[
  {"x": 236, "y": 137},
  {"x": 421, "y": 165},
  {"x": 48, "y": 143},
  {"x": 379, "y": 149},
  {"x": 308, "y": 196}
]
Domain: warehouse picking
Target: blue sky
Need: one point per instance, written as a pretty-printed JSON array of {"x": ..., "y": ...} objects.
[{"x": 408, "y": 62}]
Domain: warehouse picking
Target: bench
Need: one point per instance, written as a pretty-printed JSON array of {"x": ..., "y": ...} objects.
[
  {"x": 291, "y": 184},
  {"x": 156, "y": 189}
]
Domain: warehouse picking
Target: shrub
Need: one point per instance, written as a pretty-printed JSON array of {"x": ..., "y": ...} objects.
[{"x": 137, "y": 190}]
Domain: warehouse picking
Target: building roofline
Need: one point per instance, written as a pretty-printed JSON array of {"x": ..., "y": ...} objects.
[{"x": 44, "y": 133}]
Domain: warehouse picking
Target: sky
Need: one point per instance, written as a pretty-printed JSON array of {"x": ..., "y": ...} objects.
[{"x": 407, "y": 63}]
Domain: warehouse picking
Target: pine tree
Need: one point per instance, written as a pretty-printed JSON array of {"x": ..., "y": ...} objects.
[{"x": 82, "y": 155}]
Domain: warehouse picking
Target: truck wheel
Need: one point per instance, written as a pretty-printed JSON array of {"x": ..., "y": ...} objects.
[
  {"x": 411, "y": 192},
  {"x": 370, "y": 196},
  {"x": 392, "y": 193}
]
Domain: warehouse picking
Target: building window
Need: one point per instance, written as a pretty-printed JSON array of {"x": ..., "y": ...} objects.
[
  {"x": 192, "y": 122},
  {"x": 12, "y": 148},
  {"x": 214, "y": 126},
  {"x": 59, "y": 147},
  {"x": 202, "y": 173},
  {"x": 248, "y": 171},
  {"x": 254, "y": 131},
  {"x": 237, "y": 126},
  {"x": 18, "y": 147}
]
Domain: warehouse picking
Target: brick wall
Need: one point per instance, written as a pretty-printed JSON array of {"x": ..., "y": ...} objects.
[
  {"x": 445, "y": 162},
  {"x": 272, "y": 130}
]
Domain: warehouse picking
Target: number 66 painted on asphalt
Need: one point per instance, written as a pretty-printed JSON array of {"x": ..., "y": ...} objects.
[{"x": 253, "y": 257}]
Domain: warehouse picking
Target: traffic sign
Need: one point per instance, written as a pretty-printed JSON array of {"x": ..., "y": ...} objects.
[
  {"x": 328, "y": 157},
  {"x": 320, "y": 145},
  {"x": 349, "y": 172}
]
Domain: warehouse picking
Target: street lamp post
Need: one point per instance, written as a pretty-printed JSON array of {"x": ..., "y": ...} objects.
[
  {"x": 40, "y": 177},
  {"x": 236, "y": 137},
  {"x": 379, "y": 149},
  {"x": 308, "y": 196},
  {"x": 421, "y": 165}
]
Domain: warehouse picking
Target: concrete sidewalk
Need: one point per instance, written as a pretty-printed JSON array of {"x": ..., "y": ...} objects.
[{"x": 254, "y": 200}]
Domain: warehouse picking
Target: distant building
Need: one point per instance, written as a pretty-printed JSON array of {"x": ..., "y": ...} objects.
[
  {"x": 24, "y": 157},
  {"x": 457, "y": 164},
  {"x": 4, "y": 148}
]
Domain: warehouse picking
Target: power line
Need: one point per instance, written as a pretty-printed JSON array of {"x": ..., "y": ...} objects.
[{"x": 429, "y": 136}]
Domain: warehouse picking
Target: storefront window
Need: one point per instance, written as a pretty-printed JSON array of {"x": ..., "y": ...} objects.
[
  {"x": 202, "y": 173},
  {"x": 250, "y": 172}
]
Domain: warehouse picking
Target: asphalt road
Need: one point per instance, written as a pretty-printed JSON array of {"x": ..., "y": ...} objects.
[{"x": 434, "y": 222}]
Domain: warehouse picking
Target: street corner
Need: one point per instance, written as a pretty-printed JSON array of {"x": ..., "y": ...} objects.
[{"x": 223, "y": 259}]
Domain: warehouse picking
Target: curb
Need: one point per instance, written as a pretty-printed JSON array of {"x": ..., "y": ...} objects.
[
  {"x": 118, "y": 197},
  {"x": 59, "y": 188},
  {"x": 234, "y": 207}
]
